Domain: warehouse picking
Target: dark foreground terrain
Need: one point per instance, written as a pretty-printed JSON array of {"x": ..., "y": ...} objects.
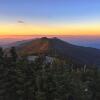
[{"x": 21, "y": 79}]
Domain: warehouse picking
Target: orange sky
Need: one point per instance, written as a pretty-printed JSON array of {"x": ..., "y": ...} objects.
[
  {"x": 49, "y": 17},
  {"x": 49, "y": 29}
]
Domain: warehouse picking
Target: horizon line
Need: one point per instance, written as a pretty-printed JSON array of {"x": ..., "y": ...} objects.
[{"x": 52, "y": 35}]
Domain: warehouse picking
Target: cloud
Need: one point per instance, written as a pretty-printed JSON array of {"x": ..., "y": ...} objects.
[{"x": 20, "y": 22}]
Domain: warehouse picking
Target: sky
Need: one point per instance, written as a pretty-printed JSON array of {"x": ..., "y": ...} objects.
[{"x": 49, "y": 17}]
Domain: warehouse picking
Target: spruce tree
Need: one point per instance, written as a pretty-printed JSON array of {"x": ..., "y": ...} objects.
[{"x": 13, "y": 53}]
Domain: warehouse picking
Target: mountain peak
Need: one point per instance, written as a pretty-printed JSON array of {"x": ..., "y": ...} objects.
[
  {"x": 55, "y": 46},
  {"x": 44, "y": 38}
]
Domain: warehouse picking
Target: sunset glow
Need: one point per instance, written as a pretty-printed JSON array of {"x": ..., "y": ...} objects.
[
  {"x": 31, "y": 29},
  {"x": 50, "y": 17}
]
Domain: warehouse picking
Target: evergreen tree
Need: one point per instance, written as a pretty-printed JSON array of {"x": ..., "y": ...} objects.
[
  {"x": 1, "y": 55},
  {"x": 13, "y": 53}
]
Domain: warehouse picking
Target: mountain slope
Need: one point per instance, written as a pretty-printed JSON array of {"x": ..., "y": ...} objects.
[{"x": 55, "y": 46}]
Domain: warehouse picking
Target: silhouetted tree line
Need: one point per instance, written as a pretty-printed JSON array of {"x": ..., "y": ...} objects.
[{"x": 22, "y": 80}]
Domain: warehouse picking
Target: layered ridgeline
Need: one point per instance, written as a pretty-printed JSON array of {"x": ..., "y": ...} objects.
[{"x": 58, "y": 48}]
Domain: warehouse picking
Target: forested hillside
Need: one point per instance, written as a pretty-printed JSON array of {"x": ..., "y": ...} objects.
[
  {"x": 56, "y": 47},
  {"x": 24, "y": 80}
]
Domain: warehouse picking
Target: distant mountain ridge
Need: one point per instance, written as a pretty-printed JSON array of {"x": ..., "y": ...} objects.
[
  {"x": 86, "y": 41},
  {"x": 55, "y": 46}
]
